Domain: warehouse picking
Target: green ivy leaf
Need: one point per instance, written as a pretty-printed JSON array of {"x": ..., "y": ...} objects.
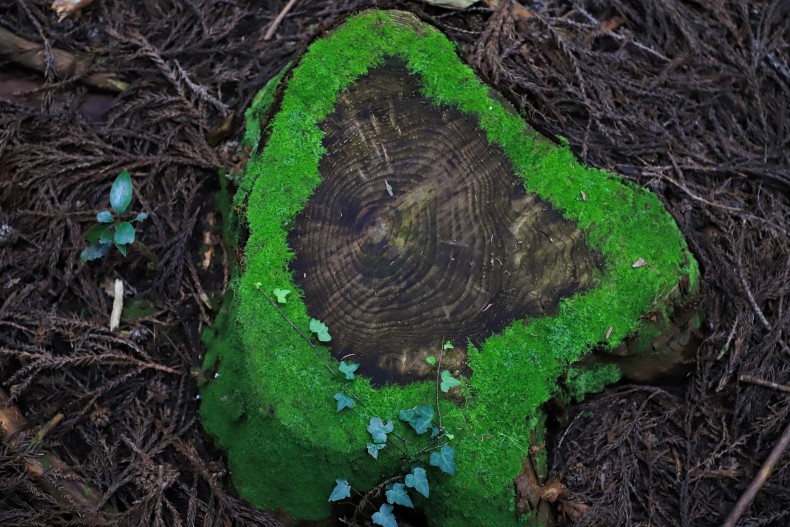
[
  {"x": 448, "y": 381},
  {"x": 431, "y": 360},
  {"x": 384, "y": 516},
  {"x": 320, "y": 329},
  {"x": 94, "y": 251},
  {"x": 121, "y": 248},
  {"x": 343, "y": 401},
  {"x": 342, "y": 490},
  {"x": 397, "y": 495},
  {"x": 96, "y": 232},
  {"x": 124, "y": 233},
  {"x": 444, "y": 459},
  {"x": 141, "y": 216},
  {"x": 378, "y": 430},
  {"x": 418, "y": 417},
  {"x": 417, "y": 481},
  {"x": 448, "y": 345},
  {"x": 121, "y": 192},
  {"x": 373, "y": 449},
  {"x": 348, "y": 369},
  {"x": 281, "y": 294},
  {"x": 104, "y": 216}
]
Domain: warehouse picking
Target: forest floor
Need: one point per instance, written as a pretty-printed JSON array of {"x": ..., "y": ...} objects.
[{"x": 689, "y": 99}]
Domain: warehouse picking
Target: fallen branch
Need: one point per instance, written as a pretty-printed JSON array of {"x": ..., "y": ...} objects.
[
  {"x": 53, "y": 475},
  {"x": 762, "y": 476},
  {"x": 270, "y": 32},
  {"x": 761, "y": 382},
  {"x": 64, "y": 64}
]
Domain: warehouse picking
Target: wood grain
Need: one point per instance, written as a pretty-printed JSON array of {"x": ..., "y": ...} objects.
[{"x": 420, "y": 231}]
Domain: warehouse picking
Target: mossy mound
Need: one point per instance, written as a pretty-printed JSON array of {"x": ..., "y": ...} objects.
[{"x": 271, "y": 403}]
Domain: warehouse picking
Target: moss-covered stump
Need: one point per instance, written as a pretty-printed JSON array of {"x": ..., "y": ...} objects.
[{"x": 406, "y": 207}]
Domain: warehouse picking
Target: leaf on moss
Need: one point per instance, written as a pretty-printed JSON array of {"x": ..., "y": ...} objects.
[
  {"x": 448, "y": 381},
  {"x": 378, "y": 430},
  {"x": 373, "y": 449},
  {"x": 343, "y": 401},
  {"x": 431, "y": 360},
  {"x": 397, "y": 495},
  {"x": 280, "y": 294},
  {"x": 444, "y": 459},
  {"x": 419, "y": 418},
  {"x": 448, "y": 345},
  {"x": 342, "y": 490},
  {"x": 639, "y": 263},
  {"x": 384, "y": 516},
  {"x": 418, "y": 481},
  {"x": 320, "y": 329},
  {"x": 348, "y": 369}
]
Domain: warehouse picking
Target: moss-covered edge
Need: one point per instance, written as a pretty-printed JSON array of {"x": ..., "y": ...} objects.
[{"x": 286, "y": 444}]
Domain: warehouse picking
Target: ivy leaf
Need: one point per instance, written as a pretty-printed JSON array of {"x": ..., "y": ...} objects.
[
  {"x": 448, "y": 345},
  {"x": 94, "y": 251},
  {"x": 281, "y": 294},
  {"x": 104, "y": 216},
  {"x": 378, "y": 430},
  {"x": 444, "y": 459},
  {"x": 121, "y": 248},
  {"x": 140, "y": 217},
  {"x": 397, "y": 495},
  {"x": 124, "y": 233},
  {"x": 343, "y": 401},
  {"x": 384, "y": 516},
  {"x": 418, "y": 417},
  {"x": 373, "y": 449},
  {"x": 320, "y": 330},
  {"x": 417, "y": 481},
  {"x": 342, "y": 490},
  {"x": 431, "y": 360},
  {"x": 121, "y": 192},
  {"x": 435, "y": 431},
  {"x": 348, "y": 369},
  {"x": 448, "y": 381},
  {"x": 96, "y": 232}
]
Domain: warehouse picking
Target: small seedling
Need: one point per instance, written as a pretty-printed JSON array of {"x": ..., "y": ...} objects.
[{"x": 113, "y": 229}]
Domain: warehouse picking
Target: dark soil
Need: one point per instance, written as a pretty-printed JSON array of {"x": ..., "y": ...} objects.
[{"x": 689, "y": 99}]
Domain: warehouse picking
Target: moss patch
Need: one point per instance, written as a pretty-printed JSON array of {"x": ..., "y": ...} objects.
[{"x": 271, "y": 405}]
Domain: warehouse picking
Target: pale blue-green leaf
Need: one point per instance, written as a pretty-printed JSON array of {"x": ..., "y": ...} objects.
[
  {"x": 124, "y": 233},
  {"x": 121, "y": 248},
  {"x": 378, "y": 430},
  {"x": 106, "y": 236},
  {"x": 343, "y": 401},
  {"x": 104, "y": 216},
  {"x": 448, "y": 381},
  {"x": 121, "y": 192},
  {"x": 418, "y": 481},
  {"x": 431, "y": 360},
  {"x": 384, "y": 516},
  {"x": 141, "y": 216},
  {"x": 373, "y": 449},
  {"x": 320, "y": 329},
  {"x": 281, "y": 294},
  {"x": 348, "y": 369},
  {"x": 397, "y": 495},
  {"x": 444, "y": 459},
  {"x": 418, "y": 417},
  {"x": 341, "y": 491},
  {"x": 94, "y": 251},
  {"x": 435, "y": 431}
]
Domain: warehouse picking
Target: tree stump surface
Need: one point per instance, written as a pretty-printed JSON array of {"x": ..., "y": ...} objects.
[{"x": 421, "y": 233}]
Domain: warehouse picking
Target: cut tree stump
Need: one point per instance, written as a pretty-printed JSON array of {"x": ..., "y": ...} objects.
[{"x": 459, "y": 261}]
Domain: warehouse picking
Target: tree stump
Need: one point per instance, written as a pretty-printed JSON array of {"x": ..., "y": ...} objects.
[{"x": 459, "y": 259}]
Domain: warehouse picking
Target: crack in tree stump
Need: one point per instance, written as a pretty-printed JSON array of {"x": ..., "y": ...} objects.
[{"x": 420, "y": 231}]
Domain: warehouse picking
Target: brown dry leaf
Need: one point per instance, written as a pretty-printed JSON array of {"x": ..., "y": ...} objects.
[
  {"x": 553, "y": 490},
  {"x": 573, "y": 509},
  {"x": 609, "y": 332},
  {"x": 639, "y": 263},
  {"x": 584, "y": 196},
  {"x": 65, "y": 8}
]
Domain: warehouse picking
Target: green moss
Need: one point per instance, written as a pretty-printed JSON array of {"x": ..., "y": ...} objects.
[
  {"x": 581, "y": 382},
  {"x": 272, "y": 407}
]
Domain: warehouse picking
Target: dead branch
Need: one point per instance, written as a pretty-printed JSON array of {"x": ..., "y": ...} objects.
[
  {"x": 762, "y": 476},
  {"x": 762, "y": 382},
  {"x": 276, "y": 23},
  {"x": 65, "y": 64}
]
